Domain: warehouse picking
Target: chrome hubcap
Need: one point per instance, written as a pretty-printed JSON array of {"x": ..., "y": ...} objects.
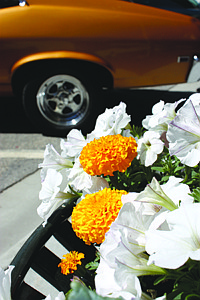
[{"x": 63, "y": 100}]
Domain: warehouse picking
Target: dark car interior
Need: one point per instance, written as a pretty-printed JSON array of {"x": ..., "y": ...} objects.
[
  {"x": 187, "y": 7},
  {"x": 168, "y": 3},
  {"x": 10, "y": 3}
]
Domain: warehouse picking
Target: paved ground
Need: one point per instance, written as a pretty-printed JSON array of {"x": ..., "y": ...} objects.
[
  {"x": 19, "y": 197},
  {"x": 20, "y": 155}
]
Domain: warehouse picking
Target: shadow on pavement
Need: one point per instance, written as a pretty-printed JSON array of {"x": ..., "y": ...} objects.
[
  {"x": 13, "y": 118},
  {"x": 139, "y": 104}
]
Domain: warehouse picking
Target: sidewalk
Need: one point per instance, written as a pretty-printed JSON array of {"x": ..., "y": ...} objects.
[{"x": 14, "y": 232}]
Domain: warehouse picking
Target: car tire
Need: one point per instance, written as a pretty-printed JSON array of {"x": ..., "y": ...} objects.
[{"x": 57, "y": 103}]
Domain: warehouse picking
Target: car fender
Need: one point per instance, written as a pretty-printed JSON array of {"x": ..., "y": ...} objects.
[
  {"x": 20, "y": 71},
  {"x": 60, "y": 55}
]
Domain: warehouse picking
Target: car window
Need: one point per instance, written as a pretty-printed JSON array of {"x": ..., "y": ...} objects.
[
  {"x": 10, "y": 3},
  {"x": 186, "y": 7},
  {"x": 169, "y": 3}
]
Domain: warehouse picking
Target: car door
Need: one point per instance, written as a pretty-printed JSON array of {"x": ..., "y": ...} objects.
[
  {"x": 173, "y": 39},
  {"x": 147, "y": 45}
]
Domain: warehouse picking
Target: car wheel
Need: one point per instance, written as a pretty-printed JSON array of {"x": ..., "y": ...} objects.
[{"x": 58, "y": 103}]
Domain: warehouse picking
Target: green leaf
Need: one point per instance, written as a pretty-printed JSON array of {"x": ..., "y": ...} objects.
[
  {"x": 196, "y": 194},
  {"x": 93, "y": 265},
  {"x": 137, "y": 131},
  {"x": 192, "y": 297},
  {"x": 165, "y": 178},
  {"x": 81, "y": 292},
  {"x": 159, "y": 169},
  {"x": 178, "y": 169},
  {"x": 175, "y": 295},
  {"x": 159, "y": 279}
]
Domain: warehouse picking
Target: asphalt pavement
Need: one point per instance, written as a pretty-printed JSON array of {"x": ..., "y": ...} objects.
[{"x": 19, "y": 195}]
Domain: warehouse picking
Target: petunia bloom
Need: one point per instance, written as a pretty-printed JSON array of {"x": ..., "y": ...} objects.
[
  {"x": 167, "y": 195},
  {"x": 122, "y": 253},
  {"x": 49, "y": 191},
  {"x": 162, "y": 115},
  {"x": 80, "y": 180},
  {"x": 73, "y": 145},
  {"x": 50, "y": 194},
  {"x": 108, "y": 154},
  {"x": 149, "y": 146},
  {"x": 184, "y": 135},
  {"x": 50, "y": 186},
  {"x": 125, "y": 241},
  {"x": 92, "y": 217},
  {"x": 128, "y": 287},
  {"x": 195, "y": 99},
  {"x": 171, "y": 249},
  {"x": 5, "y": 283},
  {"x": 53, "y": 160},
  {"x": 111, "y": 122}
]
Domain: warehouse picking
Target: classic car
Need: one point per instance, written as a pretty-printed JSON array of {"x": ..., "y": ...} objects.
[{"x": 57, "y": 56}]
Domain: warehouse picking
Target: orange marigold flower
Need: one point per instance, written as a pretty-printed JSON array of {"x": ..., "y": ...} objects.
[
  {"x": 92, "y": 217},
  {"x": 108, "y": 154},
  {"x": 69, "y": 263}
]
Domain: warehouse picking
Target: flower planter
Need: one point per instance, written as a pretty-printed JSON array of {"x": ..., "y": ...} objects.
[
  {"x": 148, "y": 236},
  {"x": 35, "y": 255}
]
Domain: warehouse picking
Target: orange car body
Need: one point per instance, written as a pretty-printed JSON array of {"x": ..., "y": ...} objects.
[{"x": 138, "y": 45}]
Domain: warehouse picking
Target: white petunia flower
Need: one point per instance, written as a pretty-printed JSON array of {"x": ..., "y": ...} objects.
[
  {"x": 80, "y": 180},
  {"x": 98, "y": 184},
  {"x": 106, "y": 284},
  {"x": 167, "y": 195},
  {"x": 126, "y": 237},
  {"x": 111, "y": 122},
  {"x": 162, "y": 115},
  {"x": 177, "y": 191},
  {"x": 195, "y": 99},
  {"x": 184, "y": 135},
  {"x": 53, "y": 160},
  {"x": 74, "y": 144},
  {"x": 5, "y": 283},
  {"x": 104, "y": 280},
  {"x": 50, "y": 186},
  {"x": 60, "y": 296},
  {"x": 149, "y": 146},
  {"x": 171, "y": 249},
  {"x": 122, "y": 257},
  {"x": 50, "y": 194}
]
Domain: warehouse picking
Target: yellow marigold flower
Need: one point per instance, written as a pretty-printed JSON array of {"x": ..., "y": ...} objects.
[
  {"x": 69, "y": 263},
  {"x": 92, "y": 217},
  {"x": 108, "y": 154}
]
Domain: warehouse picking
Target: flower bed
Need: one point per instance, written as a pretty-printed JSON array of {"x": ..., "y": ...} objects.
[{"x": 132, "y": 196}]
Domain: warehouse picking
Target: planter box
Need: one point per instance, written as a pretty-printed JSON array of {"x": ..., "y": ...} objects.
[{"x": 35, "y": 255}]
